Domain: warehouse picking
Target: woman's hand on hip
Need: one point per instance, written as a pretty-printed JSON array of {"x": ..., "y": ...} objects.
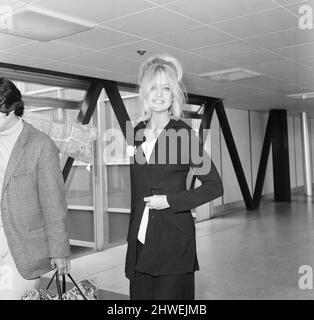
[{"x": 157, "y": 202}]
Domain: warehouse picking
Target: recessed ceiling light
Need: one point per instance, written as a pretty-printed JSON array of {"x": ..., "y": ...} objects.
[
  {"x": 230, "y": 74},
  {"x": 43, "y": 25},
  {"x": 302, "y": 96}
]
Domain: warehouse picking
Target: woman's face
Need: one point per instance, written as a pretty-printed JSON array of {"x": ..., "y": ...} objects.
[{"x": 160, "y": 96}]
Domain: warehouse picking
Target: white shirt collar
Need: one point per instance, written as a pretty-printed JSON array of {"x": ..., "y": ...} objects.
[{"x": 13, "y": 130}]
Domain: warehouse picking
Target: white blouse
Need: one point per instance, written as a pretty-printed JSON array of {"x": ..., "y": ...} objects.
[{"x": 147, "y": 147}]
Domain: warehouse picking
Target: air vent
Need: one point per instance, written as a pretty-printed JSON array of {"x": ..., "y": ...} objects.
[
  {"x": 301, "y": 96},
  {"x": 230, "y": 75},
  {"x": 43, "y": 25}
]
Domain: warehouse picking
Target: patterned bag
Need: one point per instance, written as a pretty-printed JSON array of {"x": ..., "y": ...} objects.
[{"x": 83, "y": 290}]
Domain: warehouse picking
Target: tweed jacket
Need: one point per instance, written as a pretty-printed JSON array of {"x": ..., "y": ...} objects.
[
  {"x": 33, "y": 204},
  {"x": 170, "y": 244}
]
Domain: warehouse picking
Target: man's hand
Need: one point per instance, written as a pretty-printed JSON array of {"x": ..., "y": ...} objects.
[
  {"x": 157, "y": 202},
  {"x": 62, "y": 264}
]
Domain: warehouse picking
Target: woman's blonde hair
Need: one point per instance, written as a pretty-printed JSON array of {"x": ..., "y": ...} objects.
[{"x": 149, "y": 72}]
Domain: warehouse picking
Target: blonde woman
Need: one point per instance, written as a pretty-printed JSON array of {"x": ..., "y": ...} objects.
[{"x": 161, "y": 255}]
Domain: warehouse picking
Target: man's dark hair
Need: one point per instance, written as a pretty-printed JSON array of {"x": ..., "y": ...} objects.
[{"x": 10, "y": 98}]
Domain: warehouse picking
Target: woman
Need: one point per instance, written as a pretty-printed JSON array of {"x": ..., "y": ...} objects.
[{"x": 161, "y": 255}]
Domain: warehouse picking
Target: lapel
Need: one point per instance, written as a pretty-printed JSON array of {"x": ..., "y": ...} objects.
[
  {"x": 16, "y": 155},
  {"x": 154, "y": 154},
  {"x": 141, "y": 138}
]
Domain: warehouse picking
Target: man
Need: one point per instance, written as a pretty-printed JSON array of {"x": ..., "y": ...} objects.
[{"x": 33, "y": 237}]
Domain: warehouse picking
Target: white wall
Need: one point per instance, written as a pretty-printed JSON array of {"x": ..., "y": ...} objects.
[
  {"x": 298, "y": 152},
  {"x": 258, "y": 123},
  {"x": 239, "y": 123},
  {"x": 216, "y": 150}
]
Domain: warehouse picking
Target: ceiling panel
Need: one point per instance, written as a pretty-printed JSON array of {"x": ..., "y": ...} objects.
[
  {"x": 295, "y": 7},
  {"x": 216, "y": 10},
  {"x": 297, "y": 52},
  {"x": 130, "y": 50},
  {"x": 152, "y": 23},
  {"x": 125, "y": 68},
  {"x": 193, "y": 63},
  {"x": 226, "y": 51},
  {"x": 48, "y": 50},
  {"x": 287, "y": 70},
  {"x": 79, "y": 70},
  {"x": 259, "y": 23},
  {"x": 162, "y": 2},
  {"x": 283, "y": 38},
  {"x": 211, "y": 93},
  {"x": 288, "y": 89},
  {"x": 191, "y": 80},
  {"x": 289, "y": 2},
  {"x": 20, "y": 59},
  {"x": 97, "y": 60},
  {"x": 262, "y": 82},
  {"x": 308, "y": 84},
  {"x": 98, "y": 38},
  {"x": 309, "y": 61},
  {"x": 198, "y": 37},
  {"x": 254, "y": 58},
  {"x": 95, "y": 10},
  {"x": 235, "y": 90},
  {"x": 8, "y": 41},
  {"x": 129, "y": 79},
  {"x": 12, "y": 4},
  {"x": 28, "y": 1}
]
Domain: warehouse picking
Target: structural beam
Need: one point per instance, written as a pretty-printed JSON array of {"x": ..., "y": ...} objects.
[
  {"x": 235, "y": 159},
  {"x": 48, "y": 102},
  {"x": 263, "y": 164},
  {"x": 280, "y": 149},
  {"x": 43, "y": 77},
  {"x": 119, "y": 109}
]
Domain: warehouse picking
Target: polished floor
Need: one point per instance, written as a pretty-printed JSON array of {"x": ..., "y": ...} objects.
[{"x": 243, "y": 255}]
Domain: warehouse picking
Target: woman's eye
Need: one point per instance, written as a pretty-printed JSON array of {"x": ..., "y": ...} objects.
[{"x": 167, "y": 88}]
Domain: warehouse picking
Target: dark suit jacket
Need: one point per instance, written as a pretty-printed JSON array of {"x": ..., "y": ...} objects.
[{"x": 170, "y": 244}]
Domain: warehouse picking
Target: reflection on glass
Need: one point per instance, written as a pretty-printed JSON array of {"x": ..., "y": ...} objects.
[
  {"x": 118, "y": 187},
  {"x": 116, "y": 154},
  {"x": 79, "y": 186}
]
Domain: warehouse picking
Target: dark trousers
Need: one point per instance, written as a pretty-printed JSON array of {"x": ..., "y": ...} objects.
[{"x": 165, "y": 287}]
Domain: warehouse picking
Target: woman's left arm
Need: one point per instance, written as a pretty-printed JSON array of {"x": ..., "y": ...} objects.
[{"x": 206, "y": 172}]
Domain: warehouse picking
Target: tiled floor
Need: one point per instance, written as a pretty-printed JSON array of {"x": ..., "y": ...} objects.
[{"x": 244, "y": 255}]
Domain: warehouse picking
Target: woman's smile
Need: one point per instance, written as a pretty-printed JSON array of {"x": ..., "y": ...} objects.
[{"x": 159, "y": 101}]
